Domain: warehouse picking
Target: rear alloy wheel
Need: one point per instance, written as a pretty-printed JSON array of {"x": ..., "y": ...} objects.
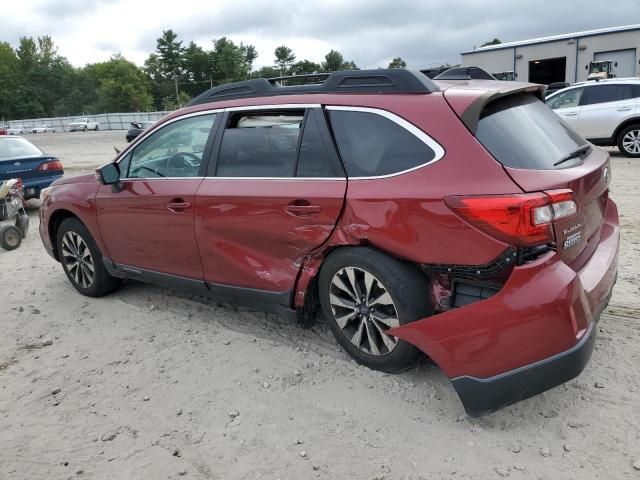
[
  {"x": 629, "y": 141},
  {"x": 82, "y": 261},
  {"x": 364, "y": 310},
  {"x": 365, "y": 293}
]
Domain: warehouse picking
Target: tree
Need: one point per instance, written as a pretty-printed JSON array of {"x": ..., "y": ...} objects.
[
  {"x": 334, "y": 61},
  {"x": 397, "y": 62},
  {"x": 9, "y": 79},
  {"x": 121, "y": 86},
  {"x": 231, "y": 62},
  {"x": 495, "y": 41},
  {"x": 305, "y": 67},
  {"x": 170, "y": 52},
  {"x": 284, "y": 58},
  {"x": 197, "y": 69}
]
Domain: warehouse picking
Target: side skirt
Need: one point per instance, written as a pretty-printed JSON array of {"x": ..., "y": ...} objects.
[{"x": 264, "y": 300}]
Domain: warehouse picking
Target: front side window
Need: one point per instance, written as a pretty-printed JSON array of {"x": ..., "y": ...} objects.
[
  {"x": 570, "y": 98},
  {"x": 260, "y": 145},
  {"x": 608, "y": 93},
  {"x": 173, "y": 151},
  {"x": 372, "y": 145}
]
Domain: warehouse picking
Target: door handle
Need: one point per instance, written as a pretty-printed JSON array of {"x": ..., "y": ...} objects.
[
  {"x": 178, "y": 206},
  {"x": 624, "y": 109},
  {"x": 572, "y": 114},
  {"x": 302, "y": 208}
]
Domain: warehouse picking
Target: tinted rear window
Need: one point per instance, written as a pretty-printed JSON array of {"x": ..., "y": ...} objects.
[
  {"x": 522, "y": 132},
  {"x": 608, "y": 93}
]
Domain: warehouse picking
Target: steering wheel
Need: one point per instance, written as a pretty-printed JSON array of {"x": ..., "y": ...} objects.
[{"x": 181, "y": 157}]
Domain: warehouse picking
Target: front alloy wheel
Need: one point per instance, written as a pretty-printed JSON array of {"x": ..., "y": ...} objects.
[
  {"x": 364, "y": 310},
  {"x": 78, "y": 259}
]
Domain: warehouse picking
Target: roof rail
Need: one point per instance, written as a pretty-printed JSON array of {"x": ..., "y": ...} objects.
[{"x": 351, "y": 81}]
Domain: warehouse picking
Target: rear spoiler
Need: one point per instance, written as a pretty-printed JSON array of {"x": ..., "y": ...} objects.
[{"x": 471, "y": 115}]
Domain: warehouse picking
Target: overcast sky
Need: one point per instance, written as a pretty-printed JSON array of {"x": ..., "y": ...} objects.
[{"x": 370, "y": 32}]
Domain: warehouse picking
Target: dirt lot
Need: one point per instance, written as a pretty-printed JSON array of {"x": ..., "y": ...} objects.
[{"x": 148, "y": 383}]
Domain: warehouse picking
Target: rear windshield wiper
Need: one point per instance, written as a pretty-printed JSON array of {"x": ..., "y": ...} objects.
[{"x": 575, "y": 154}]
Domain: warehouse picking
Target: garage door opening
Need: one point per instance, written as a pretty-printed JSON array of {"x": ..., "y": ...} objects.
[{"x": 548, "y": 71}]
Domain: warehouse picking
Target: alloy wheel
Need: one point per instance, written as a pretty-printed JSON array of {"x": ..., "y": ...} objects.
[
  {"x": 631, "y": 142},
  {"x": 78, "y": 260},
  {"x": 364, "y": 310}
]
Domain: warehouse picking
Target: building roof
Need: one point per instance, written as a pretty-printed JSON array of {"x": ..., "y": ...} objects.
[{"x": 553, "y": 38}]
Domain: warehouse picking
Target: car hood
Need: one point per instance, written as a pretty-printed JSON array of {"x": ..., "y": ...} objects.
[{"x": 86, "y": 178}]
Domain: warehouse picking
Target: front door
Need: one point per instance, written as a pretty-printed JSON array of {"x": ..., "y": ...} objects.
[
  {"x": 274, "y": 195},
  {"x": 149, "y": 223}
]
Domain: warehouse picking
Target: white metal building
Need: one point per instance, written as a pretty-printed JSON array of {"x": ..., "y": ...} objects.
[{"x": 562, "y": 58}]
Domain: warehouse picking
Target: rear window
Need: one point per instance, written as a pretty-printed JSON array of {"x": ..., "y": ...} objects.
[
  {"x": 522, "y": 132},
  {"x": 608, "y": 93},
  {"x": 17, "y": 148}
]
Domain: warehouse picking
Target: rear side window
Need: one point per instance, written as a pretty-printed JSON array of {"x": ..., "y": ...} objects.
[
  {"x": 636, "y": 90},
  {"x": 260, "y": 145},
  {"x": 372, "y": 145},
  {"x": 608, "y": 93},
  {"x": 313, "y": 160},
  {"x": 522, "y": 132}
]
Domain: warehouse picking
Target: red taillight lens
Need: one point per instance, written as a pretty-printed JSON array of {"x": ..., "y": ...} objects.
[
  {"x": 521, "y": 219},
  {"x": 50, "y": 165}
]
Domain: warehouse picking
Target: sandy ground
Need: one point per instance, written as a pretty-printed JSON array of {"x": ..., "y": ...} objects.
[{"x": 148, "y": 383}]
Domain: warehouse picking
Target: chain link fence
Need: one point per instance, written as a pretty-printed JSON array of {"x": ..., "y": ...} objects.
[{"x": 106, "y": 121}]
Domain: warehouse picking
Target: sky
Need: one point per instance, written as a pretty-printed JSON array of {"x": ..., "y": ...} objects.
[{"x": 370, "y": 32}]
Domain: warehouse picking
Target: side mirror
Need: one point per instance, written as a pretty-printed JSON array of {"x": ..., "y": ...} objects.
[{"x": 109, "y": 174}]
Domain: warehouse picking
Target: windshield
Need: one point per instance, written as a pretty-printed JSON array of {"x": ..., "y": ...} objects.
[
  {"x": 522, "y": 132},
  {"x": 17, "y": 148}
]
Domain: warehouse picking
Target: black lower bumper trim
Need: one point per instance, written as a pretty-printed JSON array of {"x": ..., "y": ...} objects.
[{"x": 485, "y": 395}]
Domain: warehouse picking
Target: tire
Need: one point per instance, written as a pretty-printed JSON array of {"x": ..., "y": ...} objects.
[
  {"x": 10, "y": 237},
  {"x": 74, "y": 242},
  {"x": 84, "y": 129},
  {"x": 362, "y": 323},
  {"x": 97, "y": 128},
  {"x": 629, "y": 141}
]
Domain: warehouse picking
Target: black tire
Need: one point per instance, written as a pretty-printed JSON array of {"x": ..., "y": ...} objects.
[
  {"x": 407, "y": 287},
  {"x": 10, "y": 237},
  {"x": 633, "y": 130},
  {"x": 102, "y": 283}
]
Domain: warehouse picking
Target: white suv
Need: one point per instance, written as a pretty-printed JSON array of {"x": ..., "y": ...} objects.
[{"x": 605, "y": 112}]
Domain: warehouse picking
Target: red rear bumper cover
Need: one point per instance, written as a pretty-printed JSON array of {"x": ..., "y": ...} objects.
[{"x": 543, "y": 310}]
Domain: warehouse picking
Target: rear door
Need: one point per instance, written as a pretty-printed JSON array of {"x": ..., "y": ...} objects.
[
  {"x": 604, "y": 108},
  {"x": 534, "y": 161},
  {"x": 274, "y": 195},
  {"x": 566, "y": 105}
]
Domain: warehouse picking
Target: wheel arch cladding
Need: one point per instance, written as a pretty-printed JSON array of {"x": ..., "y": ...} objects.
[{"x": 55, "y": 220}]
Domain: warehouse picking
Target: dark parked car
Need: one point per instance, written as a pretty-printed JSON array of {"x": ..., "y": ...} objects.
[
  {"x": 414, "y": 214},
  {"x": 19, "y": 158},
  {"x": 136, "y": 129}
]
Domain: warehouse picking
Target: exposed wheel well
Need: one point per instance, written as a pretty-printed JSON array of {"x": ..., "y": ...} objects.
[
  {"x": 623, "y": 125},
  {"x": 55, "y": 221}
]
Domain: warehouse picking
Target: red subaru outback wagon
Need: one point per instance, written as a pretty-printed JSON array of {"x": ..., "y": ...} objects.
[{"x": 458, "y": 219}]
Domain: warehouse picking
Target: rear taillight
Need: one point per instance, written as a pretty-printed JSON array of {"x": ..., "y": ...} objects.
[
  {"x": 49, "y": 165},
  {"x": 521, "y": 219}
]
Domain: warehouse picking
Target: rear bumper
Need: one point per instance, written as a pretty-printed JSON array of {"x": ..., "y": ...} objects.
[
  {"x": 484, "y": 395},
  {"x": 536, "y": 333},
  {"x": 33, "y": 187}
]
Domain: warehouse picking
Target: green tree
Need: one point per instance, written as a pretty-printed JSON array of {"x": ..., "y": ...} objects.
[
  {"x": 334, "y": 61},
  {"x": 397, "y": 62},
  {"x": 121, "y": 86},
  {"x": 284, "y": 58},
  {"x": 170, "y": 54},
  {"x": 495, "y": 41},
  {"x": 9, "y": 80},
  {"x": 197, "y": 70},
  {"x": 231, "y": 62},
  {"x": 305, "y": 67}
]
